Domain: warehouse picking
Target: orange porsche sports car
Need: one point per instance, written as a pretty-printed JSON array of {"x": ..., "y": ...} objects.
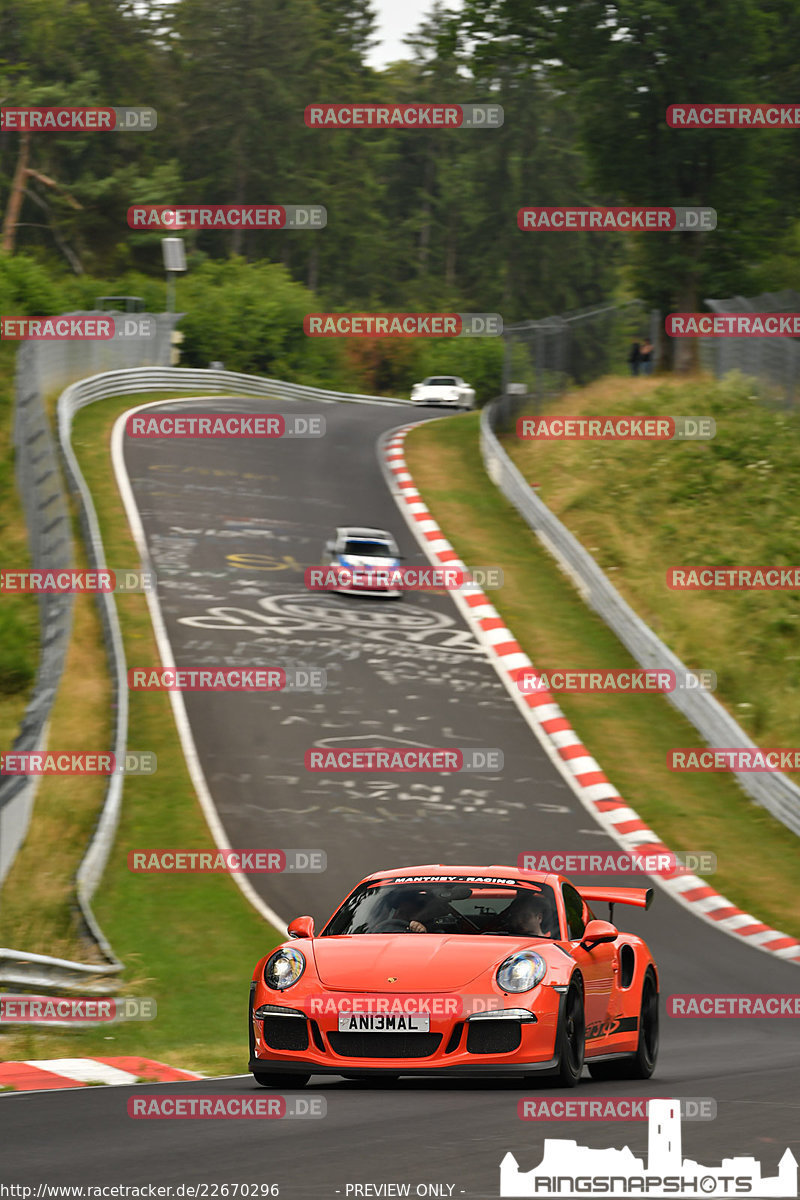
[{"x": 440, "y": 970}]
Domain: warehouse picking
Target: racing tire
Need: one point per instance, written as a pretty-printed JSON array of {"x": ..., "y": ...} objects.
[
  {"x": 642, "y": 1063},
  {"x": 274, "y": 1079},
  {"x": 571, "y": 1039}
]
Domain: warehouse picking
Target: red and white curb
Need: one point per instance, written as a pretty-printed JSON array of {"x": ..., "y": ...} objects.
[
  {"x": 557, "y": 737},
  {"x": 46, "y": 1074}
]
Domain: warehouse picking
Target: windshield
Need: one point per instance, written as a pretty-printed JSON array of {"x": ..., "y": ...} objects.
[
  {"x": 458, "y": 907},
  {"x": 441, "y": 381},
  {"x": 365, "y": 549}
]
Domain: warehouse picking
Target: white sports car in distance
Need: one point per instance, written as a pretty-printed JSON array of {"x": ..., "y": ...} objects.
[
  {"x": 363, "y": 549},
  {"x": 450, "y": 391}
]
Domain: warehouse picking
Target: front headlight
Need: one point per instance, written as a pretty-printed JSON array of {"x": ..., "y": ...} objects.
[
  {"x": 521, "y": 971},
  {"x": 283, "y": 968}
]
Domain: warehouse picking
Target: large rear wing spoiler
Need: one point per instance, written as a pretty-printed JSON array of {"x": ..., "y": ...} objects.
[{"x": 637, "y": 897}]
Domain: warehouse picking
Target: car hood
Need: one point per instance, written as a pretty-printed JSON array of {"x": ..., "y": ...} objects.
[
  {"x": 403, "y": 962},
  {"x": 367, "y": 562}
]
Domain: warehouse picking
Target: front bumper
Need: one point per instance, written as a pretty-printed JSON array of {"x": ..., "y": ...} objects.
[{"x": 454, "y": 1045}]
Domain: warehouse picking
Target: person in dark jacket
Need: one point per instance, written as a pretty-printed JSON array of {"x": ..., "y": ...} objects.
[{"x": 635, "y": 358}]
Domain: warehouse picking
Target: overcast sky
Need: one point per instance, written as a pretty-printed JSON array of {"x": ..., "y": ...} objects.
[{"x": 396, "y": 19}]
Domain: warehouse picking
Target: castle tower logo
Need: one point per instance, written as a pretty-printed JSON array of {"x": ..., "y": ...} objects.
[{"x": 568, "y": 1169}]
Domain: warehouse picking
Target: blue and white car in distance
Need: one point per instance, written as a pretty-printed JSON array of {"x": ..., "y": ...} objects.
[{"x": 362, "y": 548}]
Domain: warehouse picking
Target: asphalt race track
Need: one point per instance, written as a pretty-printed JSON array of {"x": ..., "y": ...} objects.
[{"x": 231, "y": 525}]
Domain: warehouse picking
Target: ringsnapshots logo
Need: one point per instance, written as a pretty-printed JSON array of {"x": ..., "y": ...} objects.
[
  {"x": 733, "y": 116},
  {"x": 404, "y": 116},
  {"x": 76, "y": 329},
  {"x": 74, "y": 1010},
  {"x": 224, "y": 425},
  {"x": 621, "y": 680},
  {"x": 160, "y": 861},
  {"x": 180, "y": 1107},
  {"x": 732, "y": 325},
  {"x": 645, "y": 861},
  {"x": 570, "y": 1170},
  {"x": 622, "y": 219},
  {"x": 74, "y": 583},
  {"x": 228, "y": 216},
  {"x": 78, "y": 120},
  {"x": 609, "y": 1108},
  {"x": 402, "y": 325},
  {"x": 227, "y": 679},
  {"x": 71, "y": 762},
  {"x": 617, "y": 429},
  {"x": 371, "y": 759}
]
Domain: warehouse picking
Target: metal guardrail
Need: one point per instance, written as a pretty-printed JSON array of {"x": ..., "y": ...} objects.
[
  {"x": 32, "y": 970},
  {"x": 50, "y": 541},
  {"x": 773, "y": 791},
  {"x": 164, "y": 379}
]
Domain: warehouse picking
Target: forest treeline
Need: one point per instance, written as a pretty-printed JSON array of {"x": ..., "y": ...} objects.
[{"x": 417, "y": 220}]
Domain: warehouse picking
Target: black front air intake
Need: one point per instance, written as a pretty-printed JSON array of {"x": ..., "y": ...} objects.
[
  {"x": 493, "y": 1037},
  {"x": 286, "y": 1033},
  {"x": 385, "y": 1045}
]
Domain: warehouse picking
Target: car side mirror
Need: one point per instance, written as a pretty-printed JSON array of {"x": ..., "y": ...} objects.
[
  {"x": 330, "y": 547},
  {"x": 597, "y": 933},
  {"x": 301, "y": 927}
]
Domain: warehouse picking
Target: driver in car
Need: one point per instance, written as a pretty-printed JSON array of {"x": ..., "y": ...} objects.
[
  {"x": 529, "y": 914},
  {"x": 409, "y": 907}
]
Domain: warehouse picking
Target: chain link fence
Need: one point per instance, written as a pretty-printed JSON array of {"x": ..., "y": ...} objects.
[
  {"x": 544, "y": 358},
  {"x": 775, "y": 361}
]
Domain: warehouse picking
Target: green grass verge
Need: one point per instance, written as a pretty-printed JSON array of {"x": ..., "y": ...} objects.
[
  {"x": 629, "y": 734},
  {"x": 190, "y": 942}
]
